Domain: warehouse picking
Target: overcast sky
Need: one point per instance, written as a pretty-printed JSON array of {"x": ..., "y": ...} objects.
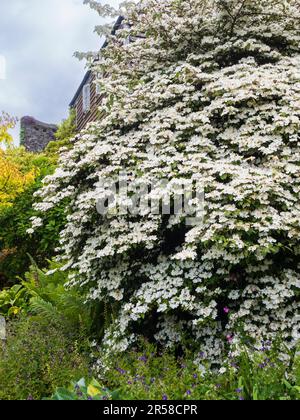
[{"x": 38, "y": 39}]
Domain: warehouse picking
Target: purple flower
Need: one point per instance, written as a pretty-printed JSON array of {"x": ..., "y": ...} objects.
[
  {"x": 129, "y": 383},
  {"x": 165, "y": 397},
  {"x": 90, "y": 398},
  {"x": 202, "y": 355},
  {"x": 234, "y": 365},
  {"x": 241, "y": 398},
  {"x": 121, "y": 371},
  {"x": 218, "y": 386},
  {"x": 239, "y": 391},
  {"x": 262, "y": 365},
  {"x": 195, "y": 376},
  {"x": 229, "y": 338},
  {"x": 226, "y": 310},
  {"x": 143, "y": 359},
  {"x": 188, "y": 392}
]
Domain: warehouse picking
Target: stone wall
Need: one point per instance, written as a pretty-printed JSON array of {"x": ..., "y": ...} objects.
[
  {"x": 2, "y": 328},
  {"x": 35, "y": 135}
]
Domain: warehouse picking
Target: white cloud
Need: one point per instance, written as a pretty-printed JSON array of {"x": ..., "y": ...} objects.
[{"x": 38, "y": 39}]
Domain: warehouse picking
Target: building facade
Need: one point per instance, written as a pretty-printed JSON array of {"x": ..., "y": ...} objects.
[{"x": 87, "y": 99}]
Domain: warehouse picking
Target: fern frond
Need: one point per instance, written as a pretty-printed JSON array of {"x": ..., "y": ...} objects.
[{"x": 44, "y": 309}]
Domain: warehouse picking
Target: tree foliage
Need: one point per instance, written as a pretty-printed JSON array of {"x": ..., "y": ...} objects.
[
  {"x": 12, "y": 180},
  {"x": 66, "y": 131},
  {"x": 6, "y": 123},
  {"x": 21, "y": 174}
]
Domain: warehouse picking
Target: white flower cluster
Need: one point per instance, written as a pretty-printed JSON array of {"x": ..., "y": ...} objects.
[{"x": 211, "y": 93}]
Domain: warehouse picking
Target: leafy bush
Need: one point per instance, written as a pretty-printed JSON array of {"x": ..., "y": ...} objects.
[
  {"x": 43, "y": 293},
  {"x": 25, "y": 172},
  {"x": 46, "y": 344},
  {"x": 52, "y": 301},
  {"x": 66, "y": 131},
  {"x": 13, "y": 300},
  {"x": 19, "y": 170},
  {"x": 15, "y": 220},
  {"x": 37, "y": 357},
  {"x": 12, "y": 181}
]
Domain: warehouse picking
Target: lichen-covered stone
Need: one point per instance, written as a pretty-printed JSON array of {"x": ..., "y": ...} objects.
[{"x": 35, "y": 135}]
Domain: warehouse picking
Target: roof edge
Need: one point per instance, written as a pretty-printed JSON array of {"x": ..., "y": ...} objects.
[
  {"x": 85, "y": 79},
  {"x": 89, "y": 72}
]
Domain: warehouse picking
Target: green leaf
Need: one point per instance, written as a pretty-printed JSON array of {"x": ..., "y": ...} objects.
[
  {"x": 63, "y": 394},
  {"x": 255, "y": 394},
  {"x": 116, "y": 395}
]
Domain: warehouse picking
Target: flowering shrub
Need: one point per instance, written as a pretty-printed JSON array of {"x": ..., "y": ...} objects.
[{"x": 208, "y": 92}]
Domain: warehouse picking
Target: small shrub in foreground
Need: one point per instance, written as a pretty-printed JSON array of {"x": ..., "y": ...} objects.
[
  {"x": 37, "y": 358},
  {"x": 253, "y": 375}
]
